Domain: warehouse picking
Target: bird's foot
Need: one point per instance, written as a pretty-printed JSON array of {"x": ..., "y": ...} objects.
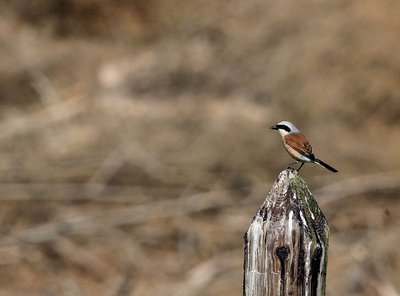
[{"x": 290, "y": 166}]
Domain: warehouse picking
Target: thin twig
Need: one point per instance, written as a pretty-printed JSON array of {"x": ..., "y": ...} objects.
[
  {"x": 358, "y": 185},
  {"x": 24, "y": 123},
  {"x": 67, "y": 192},
  {"x": 201, "y": 276},
  {"x": 128, "y": 216}
]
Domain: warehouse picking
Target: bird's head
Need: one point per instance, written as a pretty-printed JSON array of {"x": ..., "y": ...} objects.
[{"x": 285, "y": 127}]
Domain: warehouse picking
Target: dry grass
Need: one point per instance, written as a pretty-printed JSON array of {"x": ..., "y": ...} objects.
[{"x": 135, "y": 149}]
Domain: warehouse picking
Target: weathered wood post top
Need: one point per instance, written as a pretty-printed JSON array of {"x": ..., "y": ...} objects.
[{"x": 286, "y": 245}]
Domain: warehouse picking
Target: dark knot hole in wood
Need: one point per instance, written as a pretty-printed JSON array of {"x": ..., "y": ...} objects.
[{"x": 282, "y": 253}]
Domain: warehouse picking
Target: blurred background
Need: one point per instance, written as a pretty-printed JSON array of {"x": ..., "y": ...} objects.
[{"x": 135, "y": 145}]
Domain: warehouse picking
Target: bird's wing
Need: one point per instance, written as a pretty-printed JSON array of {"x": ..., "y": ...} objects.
[{"x": 299, "y": 143}]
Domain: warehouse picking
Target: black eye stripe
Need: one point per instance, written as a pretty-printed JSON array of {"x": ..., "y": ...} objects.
[{"x": 284, "y": 127}]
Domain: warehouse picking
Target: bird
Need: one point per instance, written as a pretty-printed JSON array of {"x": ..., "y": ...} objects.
[{"x": 297, "y": 145}]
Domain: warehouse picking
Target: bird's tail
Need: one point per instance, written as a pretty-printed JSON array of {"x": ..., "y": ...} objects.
[{"x": 327, "y": 166}]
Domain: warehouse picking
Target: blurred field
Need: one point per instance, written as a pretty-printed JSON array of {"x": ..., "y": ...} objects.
[{"x": 135, "y": 145}]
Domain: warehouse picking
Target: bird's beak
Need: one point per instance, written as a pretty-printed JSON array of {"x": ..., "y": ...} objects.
[{"x": 274, "y": 127}]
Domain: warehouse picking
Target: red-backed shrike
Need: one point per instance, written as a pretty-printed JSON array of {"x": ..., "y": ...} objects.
[{"x": 297, "y": 145}]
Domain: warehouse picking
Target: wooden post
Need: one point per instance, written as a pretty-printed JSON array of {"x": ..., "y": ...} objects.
[{"x": 286, "y": 245}]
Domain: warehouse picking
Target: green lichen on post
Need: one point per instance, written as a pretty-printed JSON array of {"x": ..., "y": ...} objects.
[{"x": 315, "y": 219}]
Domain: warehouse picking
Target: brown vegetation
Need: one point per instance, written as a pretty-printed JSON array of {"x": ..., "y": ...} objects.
[{"x": 135, "y": 144}]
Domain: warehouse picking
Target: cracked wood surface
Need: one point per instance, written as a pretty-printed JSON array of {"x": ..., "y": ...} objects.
[{"x": 285, "y": 249}]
